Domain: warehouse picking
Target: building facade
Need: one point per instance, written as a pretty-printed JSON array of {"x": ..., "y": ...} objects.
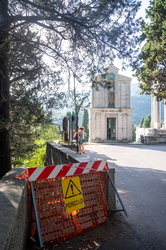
[{"x": 110, "y": 111}]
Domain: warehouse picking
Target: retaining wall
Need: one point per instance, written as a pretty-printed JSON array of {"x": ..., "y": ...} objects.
[{"x": 13, "y": 211}]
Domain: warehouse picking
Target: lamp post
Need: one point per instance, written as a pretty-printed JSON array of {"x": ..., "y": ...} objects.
[{"x": 76, "y": 113}]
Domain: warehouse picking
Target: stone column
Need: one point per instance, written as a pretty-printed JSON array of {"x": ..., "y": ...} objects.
[
  {"x": 103, "y": 126},
  {"x": 119, "y": 132},
  {"x": 91, "y": 125},
  {"x": 129, "y": 125},
  {"x": 165, "y": 114},
  {"x": 155, "y": 113}
]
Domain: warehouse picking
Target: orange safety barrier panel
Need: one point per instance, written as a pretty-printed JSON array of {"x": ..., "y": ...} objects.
[{"x": 55, "y": 224}]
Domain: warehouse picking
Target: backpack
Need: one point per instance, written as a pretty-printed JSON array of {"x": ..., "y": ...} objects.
[{"x": 75, "y": 135}]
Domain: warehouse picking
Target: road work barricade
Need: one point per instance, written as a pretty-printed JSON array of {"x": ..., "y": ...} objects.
[{"x": 67, "y": 200}]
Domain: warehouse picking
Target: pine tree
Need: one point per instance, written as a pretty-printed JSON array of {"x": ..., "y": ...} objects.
[
  {"x": 79, "y": 36},
  {"x": 151, "y": 64}
]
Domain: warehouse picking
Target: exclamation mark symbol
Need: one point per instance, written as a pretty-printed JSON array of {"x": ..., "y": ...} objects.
[{"x": 72, "y": 188}]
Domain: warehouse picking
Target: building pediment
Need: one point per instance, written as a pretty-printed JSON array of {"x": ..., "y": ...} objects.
[
  {"x": 111, "y": 68},
  {"x": 124, "y": 78}
]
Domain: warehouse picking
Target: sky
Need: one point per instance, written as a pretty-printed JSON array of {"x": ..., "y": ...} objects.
[{"x": 128, "y": 72}]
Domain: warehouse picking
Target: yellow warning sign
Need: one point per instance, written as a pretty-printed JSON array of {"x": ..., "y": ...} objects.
[{"x": 72, "y": 193}]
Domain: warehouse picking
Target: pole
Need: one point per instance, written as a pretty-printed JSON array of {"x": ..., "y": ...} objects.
[
  {"x": 116, "y": 191},
  {"x": 68, "y": 128},
  {"x": 76, "y": 113},
  {"x": 36, "y": 215}
]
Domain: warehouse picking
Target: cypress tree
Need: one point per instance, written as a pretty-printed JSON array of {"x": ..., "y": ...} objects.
[{"x": 85, "y": 123}]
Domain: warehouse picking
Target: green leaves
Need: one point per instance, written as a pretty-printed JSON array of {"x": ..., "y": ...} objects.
[
  {"x": 146, "y": 122},
  {"x": 151, "y": 64},
  {"x": 34, "y": 155},
  {"x": 50, "y": 40}
]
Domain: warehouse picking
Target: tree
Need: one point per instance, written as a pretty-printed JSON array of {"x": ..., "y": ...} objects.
[
  {"x": 147, "y": 122},
  {"x": 5, "y": 154},
  {"x": 79, "y": 101},
  {"x": 133, "y": 132},
  {"x": 68, "y": 114},
  {"x": 26, "y": 102},
  {"x": 142, "y": 122},
  {"x": 73, "y": 120},
  {"x": 26, "y": 116},
  {"x": 37, "y": 158},
  {"x": 85, "y": 123},
  {"x": 84, "y": 32},
  {"x": 151, "y": 63}
]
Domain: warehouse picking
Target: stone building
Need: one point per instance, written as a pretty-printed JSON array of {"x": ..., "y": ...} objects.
[
  {"x": 155, "y": 134},
  {"x": 110, "y": 111}
]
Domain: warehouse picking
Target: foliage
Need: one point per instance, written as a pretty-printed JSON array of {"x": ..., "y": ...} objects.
[
  {"x": 146, "y": 122},
  {"x": 26, "y": 98},
  {"x": 133, "y": 132},
  {"x": 29, "y": 74},
  {"x": 43, "y": 42},
  {"x": 26, "y": 115},
  {"x": 92, "y": 26},
  {"x": 68, "y": 114},
  {"x": 151, "y": 63},
  {"x": 80, "y": 101},
  {"x": 78, "y": 35},
  {"x": 142, "y": 122},
  {"x": 85, "y": 123},
  {"x": 37, "y": 157}
]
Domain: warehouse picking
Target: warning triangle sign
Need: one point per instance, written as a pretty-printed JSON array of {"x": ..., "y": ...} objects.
[{"x": 72, "y": 190}]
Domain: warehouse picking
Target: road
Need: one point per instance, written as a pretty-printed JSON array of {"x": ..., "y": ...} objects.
[{"x": 141, "y": 182}]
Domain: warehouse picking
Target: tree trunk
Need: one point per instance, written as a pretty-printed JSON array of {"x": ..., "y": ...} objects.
[{"x": 5, "y": 155}]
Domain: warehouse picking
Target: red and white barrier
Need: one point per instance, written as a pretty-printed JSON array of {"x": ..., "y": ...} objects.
[{"x": 50, "y": 172}]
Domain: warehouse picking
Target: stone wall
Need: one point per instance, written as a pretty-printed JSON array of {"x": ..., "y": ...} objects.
[
  {"x": 151, "y": 135},
  {"x": 13, "y": 211},
  {"x": 57, "y": 154}
]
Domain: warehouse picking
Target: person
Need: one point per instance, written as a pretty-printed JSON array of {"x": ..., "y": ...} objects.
[{"x": 81, "y": 140}]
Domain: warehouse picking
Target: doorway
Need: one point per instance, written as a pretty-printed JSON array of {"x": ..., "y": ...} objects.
[{"x": 111, "y": 128}]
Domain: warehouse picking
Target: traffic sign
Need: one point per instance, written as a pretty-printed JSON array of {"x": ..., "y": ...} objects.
[{"x": 72, "y": 193}]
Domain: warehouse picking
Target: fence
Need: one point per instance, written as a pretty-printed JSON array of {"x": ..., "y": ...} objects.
[{"x": 68, "y": 204}]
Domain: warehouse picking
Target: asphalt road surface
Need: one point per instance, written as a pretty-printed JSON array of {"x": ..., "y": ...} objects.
[{"x": 141, "y": 182}]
